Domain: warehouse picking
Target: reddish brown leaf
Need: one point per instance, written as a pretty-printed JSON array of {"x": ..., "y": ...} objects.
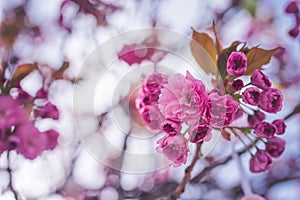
[
  {"x": 22, "y": 71},
  {"x": 218, "y": 43},
  {"x": 59, "y": 74},
  {"x": 204, "y": 51},
  {"x": 257, "y": 57},
  {"x": 225, "y": 135}
]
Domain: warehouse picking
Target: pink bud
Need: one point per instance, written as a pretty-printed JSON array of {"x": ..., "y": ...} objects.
[
  {"x": 260, "y": 162},
  {"x": 251, "y": 96},
  {"x": 237, "y": 64},
  {"x": 275, "y": 146}
]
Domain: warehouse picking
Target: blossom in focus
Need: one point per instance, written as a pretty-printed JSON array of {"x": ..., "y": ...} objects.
[
  {"x": 280, "y": 126},
  {"x": 265, "y": 130},
  {"x": 251, "y": 96},
  {"x": 236, "y": 85},
  {"x": 175, "y": 148},
  {"x": 260, "y": 80},
  {"x": 220, "y": 109},
  {"x": 236, "y": 64},
  {"x": 260, "y": 162},
  {"x": 171, "y": 127},
  {"x": 200, "y": 133},
  {"x": 271, "y": 100},
  {"x": 10, "y": 112},
  {"x": 275, "y": 146},
  {"x": 174, "y": 95}
]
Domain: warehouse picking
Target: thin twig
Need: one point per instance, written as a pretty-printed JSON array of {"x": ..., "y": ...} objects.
[
  {"x": 187, "y": 176},
  {"x": 9, "y": 171}
]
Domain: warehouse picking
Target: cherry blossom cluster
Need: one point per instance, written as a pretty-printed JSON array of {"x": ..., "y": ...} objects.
[
  {"x": 180, "y": 105},
  {"x": 182, "y": 108},
  {"x": 259, "y": 98},
  {"x": 18, "y": 113}
]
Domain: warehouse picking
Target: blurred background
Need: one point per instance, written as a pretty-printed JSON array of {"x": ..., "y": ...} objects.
[{"x": 96, "y": 127}]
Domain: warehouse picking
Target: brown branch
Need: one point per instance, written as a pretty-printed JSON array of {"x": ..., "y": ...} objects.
[
  {"x": 187, "y": 176},
  {"x": 201, "y": 175},
  {"x": 294, "y": 112},
  {"x": 9, "y": 171}
]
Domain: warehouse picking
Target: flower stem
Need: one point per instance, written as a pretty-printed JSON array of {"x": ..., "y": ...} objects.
[
  {"x": 185, "y": 132},
  {"x": 251, "y": 141},
  {"x": 239, "y": 137}
]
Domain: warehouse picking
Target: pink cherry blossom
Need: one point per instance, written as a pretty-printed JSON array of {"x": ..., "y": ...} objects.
[
  {"x": 256, "y": 118},
  {"x": 154, "y": 82},
  {"x": 237, "y": 64},
  {"x": 47, "y": 111},
  {"x": 220, "y": 109},
  {"x": 146, "y": 99},
  {"x": 275, "y": 146},
  {"x": 52, "y": 137},
  {"x": 236, "y": 85},
  {"x": 171, "y": 127},
  {"x": 280, "y": 126},
  {"x": 251, "y": 96},
  {"x": 42, "y": 93},
  {"x": 271, "y": 100},
  {"x": 175, "y": 148},
  {"x": 260, "y": 80},
  {"x": 260, "y": 162},
  {"x": 156, "y": 118},
  {"x": 200, "y": 133},
  {"x": 10, "y": 112},
  {"x": 32, "y": 141},
  {"x": 173, "y": 96},
  {"x": 265, "y": 130},
  {"x": 23, "y": 97}
]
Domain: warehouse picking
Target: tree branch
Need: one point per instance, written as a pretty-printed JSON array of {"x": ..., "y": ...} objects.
[
  {"x": 187, "y": 174},
  {"x": 9, "y": 171}
]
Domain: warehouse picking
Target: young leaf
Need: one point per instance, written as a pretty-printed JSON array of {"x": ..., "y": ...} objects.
[
  {"x": 225, "y": 134},
  {"x": 204, "y": 51},
  {"x": 257, "y": 57},
  {"x": 22, "y": 71},
  {"x": 218, "y": 43}
]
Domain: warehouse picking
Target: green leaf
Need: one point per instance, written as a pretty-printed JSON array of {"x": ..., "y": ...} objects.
[
  {"x": 257, "y": 57},
  {"x": 250, "y": 6},
  {"x": 204, "y": 51}
]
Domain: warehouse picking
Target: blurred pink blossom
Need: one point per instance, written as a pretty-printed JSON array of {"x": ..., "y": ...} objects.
[{"x": 175, "y": 148}]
